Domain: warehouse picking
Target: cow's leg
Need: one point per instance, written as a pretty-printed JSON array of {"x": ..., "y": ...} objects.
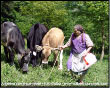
[
  {"x": 6, "y": 53},
  {"x": 33, "y": 60},
  {"x": 61, "y": 58},
  {"x": 11, "y": 57},
  {"x": 38, "y": 61},
  {"x": 20, "y": 59},
  {"x": 56, "y": 58}
]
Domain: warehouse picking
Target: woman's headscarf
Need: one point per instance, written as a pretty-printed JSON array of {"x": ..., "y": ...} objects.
[{"x": 79, "y": 28}]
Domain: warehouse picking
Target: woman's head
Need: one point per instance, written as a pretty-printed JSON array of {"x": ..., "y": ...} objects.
[{"x": 78, "y": 29}]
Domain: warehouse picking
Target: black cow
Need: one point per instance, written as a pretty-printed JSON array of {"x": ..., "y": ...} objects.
[
  {"x": 13, "y": 42},
  {"x": 35, "y": 36}
]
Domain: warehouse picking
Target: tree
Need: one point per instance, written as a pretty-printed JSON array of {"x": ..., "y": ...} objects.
[
  {"x": 93, "y": 15},
  {"x": 49, "y": 13},
  {"x": 7, "y": 9},
  {"x": 99, "y": 10}
]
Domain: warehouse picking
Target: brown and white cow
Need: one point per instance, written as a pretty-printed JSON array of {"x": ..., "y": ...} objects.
[{"x": 51, "y": 41}]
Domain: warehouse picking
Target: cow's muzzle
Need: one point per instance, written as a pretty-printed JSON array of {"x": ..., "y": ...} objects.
[
  {"x": 25, "y": 68},
  {"x": 46, "y": 62}
]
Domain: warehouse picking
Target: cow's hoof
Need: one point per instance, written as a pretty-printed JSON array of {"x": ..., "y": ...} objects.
[{"x": 60, "y": 68}]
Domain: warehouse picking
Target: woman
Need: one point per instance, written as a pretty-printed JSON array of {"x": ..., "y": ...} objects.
[{"x": 81, "y": 45}]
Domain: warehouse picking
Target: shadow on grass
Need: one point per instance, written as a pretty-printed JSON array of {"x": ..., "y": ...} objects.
[
  {"x": 49, "y": 65},
  {"x": 17, "y": 65},
  {"x": 65, "y": 74},
  {"x": 3, "y": 58},
  {"x": 68, "y": 77}
]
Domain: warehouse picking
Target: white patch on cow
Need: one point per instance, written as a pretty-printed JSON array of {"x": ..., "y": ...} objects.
[
  {"x": 44, "y": 62},
  {"x": 61, "y": 58},
  {"x": 19, "y": 56},
  {"x": 30, "y": 53},
  {"x": 9, "y": 48},
  {"x": 13, "y": 24},
  {"x": 8, "y": 32},
  {"x": 27, "y": 65},
  {"x": 34, "y": 53}
]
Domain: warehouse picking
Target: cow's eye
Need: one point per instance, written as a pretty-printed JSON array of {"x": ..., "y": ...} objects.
[{"x": 25, "y": 60}]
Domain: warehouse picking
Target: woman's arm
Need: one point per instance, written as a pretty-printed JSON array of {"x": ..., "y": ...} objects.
[
  {"x": 87, "y": 51},
  {"x": 89, "y": 44},
  {"x": 67, "y": 44}
]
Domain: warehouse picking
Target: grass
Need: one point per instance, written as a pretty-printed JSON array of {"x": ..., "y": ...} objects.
[{"x": 98, "y": 73}]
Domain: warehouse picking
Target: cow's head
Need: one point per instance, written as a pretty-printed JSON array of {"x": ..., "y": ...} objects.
[
  {"x": 6, "y": 28},
  {"x": 46, "y": 52},
  {"x": 3, "y": 33},
  {"x": 24, "y": 60}
]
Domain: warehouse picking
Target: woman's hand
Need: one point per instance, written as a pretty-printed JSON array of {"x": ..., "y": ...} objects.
[
  {"x": 87, "y": 51},
  {"x": 85, "y": 54},
  {"x": 61, "y": 47}
]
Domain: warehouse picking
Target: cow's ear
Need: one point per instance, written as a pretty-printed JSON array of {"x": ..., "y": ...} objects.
[{"x": 38, "y": 48}]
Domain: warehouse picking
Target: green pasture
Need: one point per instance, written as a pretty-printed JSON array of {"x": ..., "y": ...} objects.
[{"x": 97, "y": 74}]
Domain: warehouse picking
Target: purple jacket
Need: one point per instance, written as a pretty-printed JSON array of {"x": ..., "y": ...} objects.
[{"x": 78, "y": 44}]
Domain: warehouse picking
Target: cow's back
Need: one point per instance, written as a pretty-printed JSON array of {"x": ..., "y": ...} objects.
[
  {"x": 13, "y": 36},
  {"x": 53, "y": 38},
  {"x": 36, "y": 35},
  {"x": 19, "y": 40}
]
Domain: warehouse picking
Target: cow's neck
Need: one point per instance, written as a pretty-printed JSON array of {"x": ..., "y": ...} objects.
[{"x": 45, "y": 40}]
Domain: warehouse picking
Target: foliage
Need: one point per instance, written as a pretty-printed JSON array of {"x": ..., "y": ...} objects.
[
  {"x": 93, "y": 16},
  {"x": 101, "y": 8},
  {"x": 47, "y": 13},
  {"x": 7, "y": 10}
]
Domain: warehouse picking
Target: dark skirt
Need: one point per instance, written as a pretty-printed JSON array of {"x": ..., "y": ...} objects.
[{"x": 81, "y": 73}]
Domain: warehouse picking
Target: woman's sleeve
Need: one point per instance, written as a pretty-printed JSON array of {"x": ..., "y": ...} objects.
[
  {"x": 89, "y": 41},
  {"x": 69, "y": 42}
]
